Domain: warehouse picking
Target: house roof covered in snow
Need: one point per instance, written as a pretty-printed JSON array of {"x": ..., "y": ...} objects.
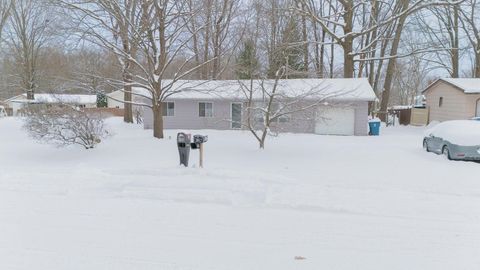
[
  {"x": 55, "y": 98},
  {"x": 334, "y": 89},
  {"x": 467, "y": 85}
]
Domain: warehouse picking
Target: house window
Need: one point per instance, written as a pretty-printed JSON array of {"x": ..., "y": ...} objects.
[
  {"x": 276, "y": 110},
  {"x": 440, "y": 102},
  {"x": 205, "y": 109},
  {"x": 284, "y": 119},
  {"x": 168, "y": 109}
]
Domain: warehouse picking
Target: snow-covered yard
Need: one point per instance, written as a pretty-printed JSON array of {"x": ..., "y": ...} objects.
[{"x": 339, "y": 202}]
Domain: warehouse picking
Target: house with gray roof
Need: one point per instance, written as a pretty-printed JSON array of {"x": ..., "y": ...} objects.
[
  {"x": 221, "y": 105},
  {"x": 17, "y": 103}
]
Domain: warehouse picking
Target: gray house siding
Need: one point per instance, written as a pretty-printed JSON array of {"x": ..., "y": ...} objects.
[{"x": 186, "y": 116}]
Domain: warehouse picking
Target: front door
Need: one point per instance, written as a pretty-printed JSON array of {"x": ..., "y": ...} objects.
[{"x": 236, "y": 115}]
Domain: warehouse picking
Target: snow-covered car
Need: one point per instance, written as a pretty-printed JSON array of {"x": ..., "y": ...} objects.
[
  {"x": 457, "y": 140},
  {"x": 476, "y": 118}
]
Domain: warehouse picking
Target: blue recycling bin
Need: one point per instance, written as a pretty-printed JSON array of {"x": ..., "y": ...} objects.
[{"x": 374, "y": 125}]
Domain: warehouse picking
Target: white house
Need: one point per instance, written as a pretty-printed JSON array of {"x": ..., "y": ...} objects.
[
  {"x": 18, "y": 102},
  {"x": 114, "y": 99}
]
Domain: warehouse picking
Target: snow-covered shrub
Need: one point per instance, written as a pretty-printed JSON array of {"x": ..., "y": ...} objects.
[{"x": 64, "y": 125}]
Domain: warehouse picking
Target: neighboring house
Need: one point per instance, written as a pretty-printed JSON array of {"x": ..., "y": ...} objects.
[
  {"x": 221, "y": 105},
  {"x": 114, "y": 99},
  {"x": 18, "y": 102},
  {"x": 453, "y": 99}
]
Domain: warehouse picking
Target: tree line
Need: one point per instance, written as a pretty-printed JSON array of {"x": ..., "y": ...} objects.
[{"x": 105, "y": 45}]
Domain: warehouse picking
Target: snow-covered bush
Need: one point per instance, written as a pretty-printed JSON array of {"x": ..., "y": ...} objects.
[{"x": 64, "y": 125}]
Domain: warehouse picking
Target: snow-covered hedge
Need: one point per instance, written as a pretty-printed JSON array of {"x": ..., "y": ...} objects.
[{"x": 64, "y": 125}]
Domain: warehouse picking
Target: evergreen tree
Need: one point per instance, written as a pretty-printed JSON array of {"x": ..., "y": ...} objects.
[
  {"x": 247, "y": 62},
  {"x": 102, "y": 100},
  {"x": 289, "y": 52}
]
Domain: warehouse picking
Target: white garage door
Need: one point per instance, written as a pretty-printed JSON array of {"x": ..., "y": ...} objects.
[{"x": 335, "y": 121}]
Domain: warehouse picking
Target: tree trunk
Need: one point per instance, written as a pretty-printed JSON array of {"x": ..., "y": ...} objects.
[
  {"x": 216, "y": 52},
  {"x": 392, "y": 62},
  {"x": 305, "y": 44},
  {"x": 263, "y": 138},
  {"x": 347, "y": 44},
  {"x": 348, "y": 64},
  {"x": 477, "y": 64},
  {"x": 30, "y": 94},
  {"x": 332, "y": 59},
  {"x": 322, "y": 53},
  {"x": 455, "y": 52},
  {"x": 127, "y": 97},
  {"x": 207, "y": 39},
  {"x": 157, "y": 121}
]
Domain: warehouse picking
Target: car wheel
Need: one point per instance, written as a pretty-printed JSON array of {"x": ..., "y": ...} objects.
[
  {"x": 425, "y": 146},
  {"x": 446, "y": 153}
]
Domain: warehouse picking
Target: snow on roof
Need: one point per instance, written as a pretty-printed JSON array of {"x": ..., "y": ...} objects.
[
  {"x": 468, "y": 85},
  {"x": 333, "y": 89},
  {"x": 56, "y": 98}
]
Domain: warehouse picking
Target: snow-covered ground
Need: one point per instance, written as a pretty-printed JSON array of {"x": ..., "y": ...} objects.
[{"x": 339, "y": 202}]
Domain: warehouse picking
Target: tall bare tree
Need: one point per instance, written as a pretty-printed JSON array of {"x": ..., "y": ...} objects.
[
  {"x": 470, "y": 20},
  {"x": 343, "y": 27},
  {"x": 5, "y": 6},
  {"x": 213, "y": 31},
  {"x": 27, "y": 37},
  {"x": 166, "y": 55},
  {"x": 115, "y": 25},
  {"x": 391, "y": 66},
  {"x": 442, "y": 33}
]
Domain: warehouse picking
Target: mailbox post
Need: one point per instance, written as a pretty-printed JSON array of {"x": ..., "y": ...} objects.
[
  {"x": 183, "y": 144},
  {"x": 198, "y": 141}
]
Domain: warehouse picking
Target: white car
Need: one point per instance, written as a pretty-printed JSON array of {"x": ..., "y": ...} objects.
[{"x": 457, "y": 140}]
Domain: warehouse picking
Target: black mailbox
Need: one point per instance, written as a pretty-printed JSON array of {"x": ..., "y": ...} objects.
[
  {"x": 183, "y": 144},
  {"x": 197, "y": 140}
]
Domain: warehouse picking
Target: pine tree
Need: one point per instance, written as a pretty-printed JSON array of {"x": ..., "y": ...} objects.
[
  {"x": 101, "y": 100},
  {"x": 247, "y": 62},
  {"x": 289, "y": 52}
]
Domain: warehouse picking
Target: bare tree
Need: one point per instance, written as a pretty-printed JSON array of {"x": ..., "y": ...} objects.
[
  {"x": 5, "y": 6},
  {"x": 115, "y": 25},
  {"x": 470, "y": 24},
  {"x": 164, "y": 43},
  {"x": 441, "y": 32},
  {"x": 343, "y": 27},
  {"x": 214, "y": 30},
  {"x": 164, "y": 56},
  {"x": 409, "y": 79},
  {"x": 28, "y": 35},
  {"x": 270, "y": 103},
  {"x": 402, "y": 7}
]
